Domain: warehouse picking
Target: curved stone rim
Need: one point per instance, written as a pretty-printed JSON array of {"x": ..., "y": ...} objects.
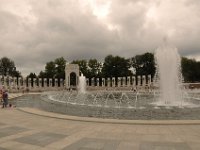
[{"x": 42, "y": 113}]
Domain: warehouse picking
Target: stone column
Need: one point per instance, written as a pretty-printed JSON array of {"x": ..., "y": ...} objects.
[
  {"x": 25, "y": 82},
  {"x": 144, "y": 80},
  {"x": 29, "y": 83},
  {"x": 6, "y": 81},
  {"x": 40, "y": 82},
  {"x": 108, "y": 82},
  {"x": 133, "y": 81},
  {"x": 20, "y": 82},
  {"x": 56, "y": 82},
  {"x": 149, "y": 80},
  {"x": 34, "y": 82},
  {"x": 14, "y": 82},
  {"x": 124, "y": 81},
  {"x": 45, "y": 82},
  {"x": 103, "y": 82},
  {"x": 2, "y": 81},
  {"x": 139, "y": 80},
  {"x": 118, "y": 81},
  {"x": 110, "y": 79},
  {"x": 87, "y": 82},
  {"x": 92, "y": 81},
  {"x": 113, "y": 81},
  {"x": 10, "y": 81},
  {"x": 128, "y": 81},
  {"x": 50, "y": 82},
  {"x": 97, "y": 82}
]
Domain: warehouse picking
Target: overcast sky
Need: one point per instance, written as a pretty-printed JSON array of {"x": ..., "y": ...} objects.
[{"x": 33, "y": 32}]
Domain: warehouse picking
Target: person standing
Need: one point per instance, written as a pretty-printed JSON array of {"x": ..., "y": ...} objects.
[
  {"x": 1, "y": 97},
  {"x": 5, "y": 99}
]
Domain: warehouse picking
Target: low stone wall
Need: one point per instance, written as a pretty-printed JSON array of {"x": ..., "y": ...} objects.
[
  {"x": 94, "y": 88},
  {"x": 41, "y": 89},
  {"x": 194, "y": 85},
  {"x": 127, "y": 88}
]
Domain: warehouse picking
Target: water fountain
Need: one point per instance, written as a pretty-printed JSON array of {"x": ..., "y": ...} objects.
[
  {"x": 82, "y": 84},
  {"x": 170, "y": 91},
  {"x": 169, "y": 76}
]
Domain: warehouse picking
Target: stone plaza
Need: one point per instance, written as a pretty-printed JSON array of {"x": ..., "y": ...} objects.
[{"x": 32, "y": 129}]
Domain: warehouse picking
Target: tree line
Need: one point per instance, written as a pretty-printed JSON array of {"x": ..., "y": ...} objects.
[
  {"x": 112, "y": 66},
  {"x": 116, "y": 66},
  {"x": 8, "y": 68},
  {"x": 190, "y": 69}
]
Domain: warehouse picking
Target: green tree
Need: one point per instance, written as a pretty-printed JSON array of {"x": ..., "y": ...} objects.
[
  {"x": 42, "y": 74},
  {"x": 50, "y": 69},
  {"x": 7, "y": 67},
  {"x": 83, "y": 66},
  {"x": 115, "y": 66},
  {"x": 198, "y": 71},
  {"x": 60, "y": 64},
  {"x": 190, "y": 70},
  {"x": 94, "y": 68},
  {"x": 144, "y": 64},
  {"x": 32, "y": 75}
]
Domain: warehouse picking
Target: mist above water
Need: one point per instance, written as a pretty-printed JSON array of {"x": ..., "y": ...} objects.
[
  {"x": 169, "y": 75},
  {"x": 82, "y": 84}
]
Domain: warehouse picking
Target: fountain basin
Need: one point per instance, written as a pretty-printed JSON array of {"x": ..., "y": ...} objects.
[{"x": 145, "y": 108}]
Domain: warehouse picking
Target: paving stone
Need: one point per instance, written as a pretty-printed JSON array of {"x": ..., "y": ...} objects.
[
  {"x": 1, "y": 148},
  {"x": 41, "y": 139},
  {"x": 2, "y": 124},
  {"x": 11, "y": 131},
  {"x": 90, "y": 135},
  {"x": 93, "y": 144},
  {"x": 128, "y": 145},
  {"x": 164, "y": 146}
]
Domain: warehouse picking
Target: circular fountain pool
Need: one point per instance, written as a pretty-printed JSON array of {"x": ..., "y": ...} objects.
[
  {"x": 120, "y": 99},
  {"x": 117, "y": 105}
]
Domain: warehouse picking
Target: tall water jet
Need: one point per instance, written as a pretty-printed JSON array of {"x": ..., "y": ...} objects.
[
  {"x": 82, "y": 84},
  {"x": 169, "y": 75}
]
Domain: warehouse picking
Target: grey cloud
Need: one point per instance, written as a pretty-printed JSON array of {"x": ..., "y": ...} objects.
[{"x": 62, "y": 28}]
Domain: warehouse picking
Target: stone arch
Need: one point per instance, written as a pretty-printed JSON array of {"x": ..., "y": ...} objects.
[{"x": 71, "y": 75}]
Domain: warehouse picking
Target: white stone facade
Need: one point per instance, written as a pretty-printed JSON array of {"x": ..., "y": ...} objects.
[{"x": 71, "y": 68}]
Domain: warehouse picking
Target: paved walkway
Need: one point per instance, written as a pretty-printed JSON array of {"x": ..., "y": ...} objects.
[{"x": 24, "y": 131}]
